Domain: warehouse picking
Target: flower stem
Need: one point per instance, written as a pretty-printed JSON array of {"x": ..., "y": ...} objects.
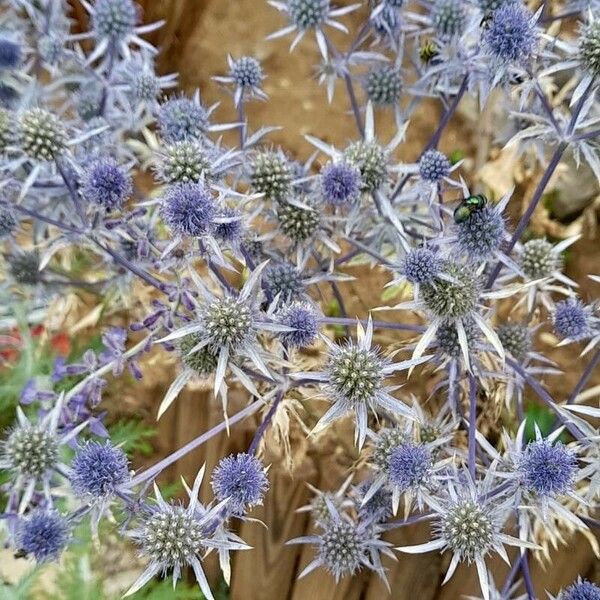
[
  {"x": 435, "y": 138},
  {"x": 376, "y": 324},
  {"x": 472, "y": 424},
  {"x": 262, "y": 428}
]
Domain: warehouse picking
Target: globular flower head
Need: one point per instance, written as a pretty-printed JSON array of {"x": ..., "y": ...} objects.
[
  {"x": 241, "y": 479},
  {"x": 383, "y": 84},
  {"x": 184, "y": 162},
  {"x": 304, "y": 320},
  {"x": 589, "y": 47},
  {"x": 355, "y": 374},
  {"x": 246, "y": 72},
  {"x": 43, "y": 533},
  {"x": 378, "y": 508},
  {"x": 98, "y": 469},
  {"x": 51, "y": 48},
  {"x": 42, "y": 136},
  {"x": 511, "y": 36},
  {"x": 7, "y": 222},
  {"x": 581, "y": 590},
  {"x": 284, "y": 279},
  {"x": 547, "y": 469},
  {"x": 10, "y": 53},
  {"x": 420, "y": 265},
  {"x": 449, "y": 18},
  {"x": 228, "y": 322},
  {"x": 452, "y": 299},
  {"x": 481, "y": 234},
  {"x": 25, "y": 267},
  {"x": 89, "y": 102},
  {"x": 188, "y": 209},
  {"x": 538, "y": 260},
  {"x": 572, "y": 319},
  {"x": 30, "y": 450},
  {"x": 114, "y": 19},
  {"x": 340, "y": 183},
  {"x": 434, "y": 166},
  {"x": 446, "y": 337},
  {"x": 516, "y": 339},
  {"x": 371, "y": 160},
  {"x": 6, "y": 129},
  {"x": 106, "y": 184},
  {"x": 181, "y": 119},
  {"x": 298, "y": 223},
  {"x": 145, "y": 85},
  {"x": 203, "y": 361},
  {"x": 341, "y": 547},
  {"x": 387, "y": 441},
  {"x": 306, "y": 14},
  {"x": 467, "y": 529},
  {"x": 271, "y": 175},
  {"x": 409, "y": 466}
]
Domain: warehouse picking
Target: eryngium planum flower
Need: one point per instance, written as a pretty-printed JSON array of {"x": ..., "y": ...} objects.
[
  {"x": 181, "y": 119},
  {"x": 241, "y": 480},
  {"x": 114, "y": 19},
  {"x": 516, "y": 339},
  {"x": 98, "y": 470},
  {"x": 481, "y": 234},
  {"x": 228, "y": 323},
  {"x": 203, "y": 361},
  {"x": 297, "y": 222},
  {"x": 104, "y": 183},
  {"x": 43, "y": 533},
  {"x": 30, "y": 451},
  {"x": 452, "y": 299},
  {"x": 383, "y": 84},
  {"x": 304, "y": 320},
  {"x": 573, "y": 320},
  {"x": 420, "y": 265},
  {"x": 467, "y": 528},
  {"x": 511, "y": 36},
  {"x": 246, "y": 72},
  {"x": 538, "y": 259},
  {"x": 184, "y": 162},
  {"x": 449, "y": 18},
  {"x": 271, "y": 175},
  {"x": 41, "y": 135},
  {"x": 547, "y": 469},
  {"x": 283, "y": 280},
  {"x": 306, "y": 14},
  {"x": 341, "y": 547},
  {"x": 446, "y": 337},
  {"x": 409, "y": 466},
  {"x": 340, "y": 184},
  {"x": 188, "y": 209},
  {"x": 581, "y": 590},
  {"x": 434, "y": 166},
  {"x": 370, "y": 159},
  {"x": 589, "y": 47}
]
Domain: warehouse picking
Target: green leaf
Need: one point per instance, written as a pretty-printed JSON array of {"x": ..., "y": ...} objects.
[{"x": 134, "y": 436}]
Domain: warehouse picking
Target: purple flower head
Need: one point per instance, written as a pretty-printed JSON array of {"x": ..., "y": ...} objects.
[
  {"x": 481, "y": 235},
  {"x": 284, "y": 279},
  {"x": 44, "y": 534},
  {"x": 231, "y": 228},
  {"x": 246, "y": 72},
  {"x": 547, "y": 469},
  {"x": 10, "y": 53},
  {"x": 305, "y": 321},
  {"x": 581, "y": 590},
  {"x": 188, "y": 209},
  {"x": 379, "y": 506},
  {"x": 446, "y": 337},
  {"x": 511, "y": 36},
  {"x": 104, "y": 183},
  {"x": 342, "y": 547},
  {"x": 572, "y": 319},
  {"x": 241, "y": 479},
  {"x": 98, "y": 469},
  {"x": 409, "y": 465},
  {"x": 434, "y": 166},
  {"x": 340, "y": 183},
  {"x": 115, "y": 19},
  {"x": 306, "y": 14},
  {"x": 181, "y": 119},
  {"x": 420, "y": 265}
]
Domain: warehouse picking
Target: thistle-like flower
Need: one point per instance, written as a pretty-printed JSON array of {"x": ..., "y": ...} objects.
[
  {"x": 106, "y": 184},
  {"x": 340, "y": 184},
  {"x": 573, "y": 321},
  {"x": 271, "y": 175},
  {"x": 246, "y": 74},
  {"x": 302, "y": 322},
  {"x": 42, "y": 533}
]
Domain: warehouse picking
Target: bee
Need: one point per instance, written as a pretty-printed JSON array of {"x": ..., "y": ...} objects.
[
  {"x": 428, "y": 51},
  {"x": 468, "y": 206}
]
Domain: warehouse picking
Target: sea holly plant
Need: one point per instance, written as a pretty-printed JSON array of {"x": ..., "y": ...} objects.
[{"x": 242, "y": 260}]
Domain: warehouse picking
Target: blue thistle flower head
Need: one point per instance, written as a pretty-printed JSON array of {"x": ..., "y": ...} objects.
[
  {"x": 511, "y": 35},
  {"x": 298, "y": 223},
  {"x": 98, "y": 469},
  {"x": 409, "y": 466},
  {"x": 231, "y": 229},
  {"x": 42, "y": 135},
  {"x": 547, "y": 469},
  {"x": 516, "y": 339},
  {"x": 481, "y": 235},
  {"x": 43, "y": 534},
  {"x": 10, "y": 53},
  {"x": 271, "y": 175},
  {"x": 106, "y": 184},
  {"x": 434, "y": 166},
  {"x": 242, "y": 479},
  {"x": 284, "y": 279},
  {"x": 305, "y": 322},
  {"x": 446, "y": 337},
  {"x": 306, "y": 14},
  {"x": 538, "y": 259},
  {"x": 421, "y": 265},
  {"x": 114, "y": 19},
  {"x": 449, "y": 18},
  {"x": 581, "y": 590},
  {"x": 589, "y": 47},
  {"x": 372, "y": 162},
  {"x": 181, "y": 119},
  {"x": 572, "y": 319},
  {"x": 341, "y": 547},
  {"x": 383, "y": 85},
  {"x": 246, "y": 72},
  {"x": 379, "y": 506},
  {"x": 188, "y": 209},
  {"x": 145, "y": 85},
  {"x": 340, "y": 183}
]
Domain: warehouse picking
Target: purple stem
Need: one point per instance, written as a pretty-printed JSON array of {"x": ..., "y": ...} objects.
[
  {"x": 585, "y": 376},
  {"x": 472, "y": 426},
  {"x": 511, "y": 577},
  {"x": 527, "y": 577},
  {"x": 50, "y": 221},
  {"x": 354, "y": 104},
  {"x": 160, "y": 466},
  {"x": 363, "y": 248},
  {"x": 376, "y": 324},
  {"x": 408, "y": 521}
]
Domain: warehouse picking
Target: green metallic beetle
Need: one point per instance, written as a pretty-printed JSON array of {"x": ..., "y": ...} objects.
[{"x": 468, "y": 206}]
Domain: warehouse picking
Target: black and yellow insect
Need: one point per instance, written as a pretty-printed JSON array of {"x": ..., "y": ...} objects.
[
  {"x": 428, "y": 51},
  {"x": 468, "y": 206}
]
